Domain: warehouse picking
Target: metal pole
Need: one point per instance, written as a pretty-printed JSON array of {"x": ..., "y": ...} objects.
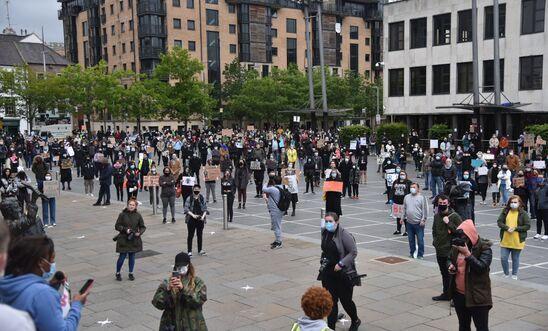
[
  {"x": 475, "y": 52},
  {"x": 322, "y": 65},
  {"x": 153, "y": 190},
  {"x": 496, "y": 52},
  {"x": 378, "y": 110},
  {"x": 310, "y": 65},
  {"x": 225, "y": 213}
]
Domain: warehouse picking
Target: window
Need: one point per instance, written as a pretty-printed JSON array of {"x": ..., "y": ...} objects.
[
  {"x": 442, "y": 29},
  {"x": 367, "y": 74},
  {"x": 488, "y": 22},
  {"x": 291, "y": 25},
  {"x": 232, "y": 28},
  {"x": 122, "y": 5},
  {"x": 231, "y": 9},
  {"x": 111, "y": 9},
  {"x": 489, "y": 75},
  {"x": 176, "y": 3},
  {"x": 532, "y": 16},
  {"x": 396, "y": 35},
  {"x": 123, "y": 48},
  {"x": 122, "y": 27},
  {"x": 354, "y": 32},
  {"x": 85, "y": 29},
  {"x": 465, "y": 26},
  {"x": 291, "y": 50},
  {"x": 367, "y": 57},
  {"x": 113, "y": 49},
  {"x": 190, "y": 4},
  {"x": 213, "y": 2},
  {"x": 130, "y": 4},
  {"x": 465, "y": 79},
  {"x": 417, "y": 81},
  {"x": 212, "y": 17},
  {"x": 367, "y": 41},
  {"x": 265, "y": 70},
  {"x": 178, "y": 43},
  {"x": 367, "y": 25},
  {"x": 130, "y": 25},
  {"x": 354, "y": 63},
  {"x": 190, "y": 25},
  {"x": 274, "y": 51},
  {"x": 191, "y": 45},
  {"x": 395, "y": 82},
  {"x": 530, "y": 73},
  {"x": 133, "y": 67},
  {"x": 124, "y": 66},
  {"x": 274, "y": 33},
  {"x": 441, "y": 79},
  {"x": 131, "y": 46},
  {"x": 418, "y": 33},
  {"x": 176, "y": 23},
  {"x": 232, "y": 48},
  {"x": 112, "y": 30}
]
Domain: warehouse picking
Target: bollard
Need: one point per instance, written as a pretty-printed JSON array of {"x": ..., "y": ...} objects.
[{"x": 225, "y": 213}]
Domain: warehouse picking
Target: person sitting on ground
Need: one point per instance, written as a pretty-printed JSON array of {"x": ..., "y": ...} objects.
[{"x": 316, "y": 304}]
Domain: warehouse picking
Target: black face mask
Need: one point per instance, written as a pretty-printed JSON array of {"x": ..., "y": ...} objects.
[
  {"x": 442, "y": 208},
  {"x": 196, "y": 192}
]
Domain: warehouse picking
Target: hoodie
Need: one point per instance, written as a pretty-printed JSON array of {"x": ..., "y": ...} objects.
[
  {"x": 42, "y": 302},
  {"x": 306, "y": 324}
]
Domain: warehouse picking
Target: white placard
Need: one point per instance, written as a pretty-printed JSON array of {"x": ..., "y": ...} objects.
[
  {"x": 353, "y": 144},
  {"x": 539, "y": 165},
  {"x": 482, "y": 171},
  {"x": 292, "y": 185},
  {"x": 70, "y": 151},
  {"x": 363, "y": 141},
  {"x": 188, "y": 181},
  {"x": 391, "y": 178},
  {"x": 434, "y": 143},
  {"x": 488, "y": 156}
]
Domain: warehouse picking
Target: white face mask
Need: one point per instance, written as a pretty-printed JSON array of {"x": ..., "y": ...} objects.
[
  {"x": 183, "y": 270},
  {"x": 48, "y": 178},
  {"x": 514, "y": 205},
  {"x": 413, "y": 190}
]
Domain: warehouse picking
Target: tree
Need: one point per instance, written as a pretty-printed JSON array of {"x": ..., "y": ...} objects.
[
  {"x": 143, "y": 98},
  {"x": 439, "y": 131},
  {"x": 184, "y": 95},
  {"x": 352, "y": 132}
]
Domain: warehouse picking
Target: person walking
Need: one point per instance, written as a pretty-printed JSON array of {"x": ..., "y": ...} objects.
[
  {"x": 88, "y": 172},
  {"x": 228, "y": 188},
  {"x": 415, "y": 211},
  {"x": 514, "y": 223},
  {"x": 167, "y": 194},
  {"x": 446, "y": 222},
  {"x": 241, "y": 178},
  {"x": 400, "y": 188},
  {"x": 272, "y": 195},
  {"x": 130, "y": 226},
  {"x": 470, "y": 288},
  {"x": 338, "y": 269},
  {"x": 195, "y": 211},
  {"x": 181, "y": 298},
  {"x": 105, "y": 180}
]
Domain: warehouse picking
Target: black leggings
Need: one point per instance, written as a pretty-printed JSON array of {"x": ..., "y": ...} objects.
[
  {"x": 194, "y": 226},
  {"x": 355, "y": 189},
  {"x": 480, "y": 315},
  {"x": 542, "y": 217},
  {"x": 482, "y": 187},
  {"x": 230, "y": 206},
  {"x": 496, "y": 197},
  {"x": 340, "y": 290},
  {"x": 309, "y": 183},
  {"x": 119, "y": 191},
  {"x": 347, "y": 188},
  {"x": 242, "y": 195}
]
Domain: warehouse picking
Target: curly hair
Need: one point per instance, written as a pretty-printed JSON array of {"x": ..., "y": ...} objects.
[{"x": 316, "y": 303}]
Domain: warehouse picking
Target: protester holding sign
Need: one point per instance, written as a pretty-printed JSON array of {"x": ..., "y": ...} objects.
[
  {"x": 48, "y": 203},
  {"x": 333, "y": 197},
  {"x": 210, "y": 178}
]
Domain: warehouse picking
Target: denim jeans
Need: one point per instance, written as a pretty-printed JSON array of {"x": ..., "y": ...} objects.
[
  {"x": 48, "y": 211},
  {"x": 437, "y": 185},
  {"x": 412, "y": 230},
  {"x": 504, "y": 191},
  {"x": 427, "y": 179},
  {"x": 504, "y": 254},
  {"x": 121, "y": 260},
  {"x": 532, "y": 203},
  {"x": 276, "y": 224}
]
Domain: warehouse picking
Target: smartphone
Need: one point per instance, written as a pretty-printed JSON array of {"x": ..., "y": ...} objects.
[
  {"x": 175, "y": 274},
  {"x": 86, "y": 286}
]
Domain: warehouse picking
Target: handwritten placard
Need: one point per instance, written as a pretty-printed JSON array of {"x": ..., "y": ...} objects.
[
  {"x": 227, "y": 132},
  {"x": 539, "y": 165},
  {"x": 52, "y": 189},
  {"x": 332, "y": 186},
  {"x": 397, "y": 210},
  {"x": 212, "y": 173},
  {"x": 188, "y": 181},
  {"x": 434, "y": 143},
  {"x": 529, "y": 140},
  {"x": 151, "y": 181},
  {"x": 150, "y": 149},
  {"x": 251, "y": 128},
  {"x": 518, "y": 181},
  {"x": 255, "y": 165},
  {"x": 353, "y": 145}
]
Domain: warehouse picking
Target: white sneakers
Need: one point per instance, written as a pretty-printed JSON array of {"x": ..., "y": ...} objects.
[
  {"x": 514, "y": 277},
  {"x": 538, "y": 236},
  {"x": 545, "y": 237}
]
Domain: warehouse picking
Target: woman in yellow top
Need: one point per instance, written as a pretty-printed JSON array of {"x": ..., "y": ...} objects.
[{"x": 513, "y": 223}]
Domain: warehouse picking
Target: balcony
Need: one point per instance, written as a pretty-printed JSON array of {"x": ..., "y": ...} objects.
[
  {"x": 150, "y": 52},
  {"x": 152, "y": 31},
  {"x": 269, "y": 3},
  {"x": 151, "y": 8}
]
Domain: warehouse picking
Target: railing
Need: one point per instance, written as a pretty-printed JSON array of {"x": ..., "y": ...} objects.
[
  {"x": 270, "y": 3},
  {"x": 152, "y": 30},
  {"x": 151, "y": 7},
  {"x": 151, "y": 52}
]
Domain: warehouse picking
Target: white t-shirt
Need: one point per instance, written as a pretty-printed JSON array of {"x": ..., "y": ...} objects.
[{"x": 15, "y": 320}]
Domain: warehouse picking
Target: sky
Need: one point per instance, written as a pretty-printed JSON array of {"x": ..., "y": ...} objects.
[{"x": 32, "y": 15}]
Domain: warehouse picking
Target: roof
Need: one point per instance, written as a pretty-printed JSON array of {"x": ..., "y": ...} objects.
[{"x": 15, "y": 51}]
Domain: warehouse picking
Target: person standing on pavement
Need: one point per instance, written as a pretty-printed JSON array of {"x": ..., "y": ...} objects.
[
  {"x": 355, "y": 177},
  {"x": 415, "y": 211},
  {"x": 514, "y": 223},
  {"x": 132, "y": 180},
  {"x": 436, "y": 178},
  {"x": 504, "y": 183},
  {"x": 88, "y": 172},
  {"x": 493, "y": 183},
  {"x": 66, "y": 171},
  {"x": 118, "y": 175},
  {"x": 470, "y": 288},
  {"x": 338, "y": 269},
  {"x": 130, "y": 226},
  {"x": 446, "y": 222},
  {"x": 242, "y": 179},
  {"x": 272, "y": 196},
  {"x": 344, "y": 168},
  {"x": 309, "y": 172},
  {"x": 400, "y": 188},
  {"x": 541, "y": 207},
  {"x": 167, "y": 183},
  {"x": 181, "y": 298},
  {"x": 105, "y": 180},
  {"x": 48, "y": 205},
  {"x": 40, "y": 169},
  {"x": 210, "y": 185},
  {"x": 258, "y": 178},
  {"x": 228, "y": 188},
  {"x": 195, "y": 211}
]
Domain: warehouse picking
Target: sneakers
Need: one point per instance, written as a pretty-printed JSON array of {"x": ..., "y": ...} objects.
[
  {"x": 130, "y": 276},
  {"x": 396, "y": 232},
  {"x": 442, "y": 297},
  {"x": 545, "y": 237},
  {"x": 506, "y": 276},
  {"x": 293, "y": 213},
  {"x": 355, "y": 325},
  {"x": 515, "y": 277},
  {"x": 537, "y": 236},
  {"x": 276, "y": 245},
  {"x": 202, "y": 253},
  {"x": 239, "y": 206},
  {"x": 164, "y": 221},
  {"x": 118, "y": 277},
  {"x": 404, "y": 234},
  {"x": 420, "y": 257},
  {"x": 173, "y": 220},
  {"x": 189, "y": 254},
  {"x": 97, "y": 204},
  {"x": 243, "y": 207}
]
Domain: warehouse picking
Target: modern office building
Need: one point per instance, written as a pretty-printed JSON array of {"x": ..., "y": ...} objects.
[{"x": 428, "y": 63}]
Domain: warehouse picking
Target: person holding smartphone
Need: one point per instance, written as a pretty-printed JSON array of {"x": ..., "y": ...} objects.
[
  {"x": 181, "y": 298},
  {"x": 131, "y": 226}
]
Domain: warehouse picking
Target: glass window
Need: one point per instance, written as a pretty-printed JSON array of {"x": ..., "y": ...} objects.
[
  {"x": 264, "y": 70},
  {"x": 190, "y": 4},
  {"x": 213, "y": 2},
  {"x": 396, "y": 35},
  {"x": 232, "y": 28},
  {"x": 417, "y": 81},
  {"x": 176, "y": 23},
  {"x": 176, "y": 3},
  {"x": 178, "y": 43},
  {"x": 111, "y": 9},
  {"x": 291, "y": 50},
  {"x": 442, "y": 29},
  {"x": 274, "y": 51},
  {"x": 489, "y": 75},
  {"x": 212, "y": 17},
  {"x": 367, "y": 41},
  {"x": 291, "y": 25},
  {"x": 418, "y": 33},
  {"x": 532, "y": 16},
  {"x": 232, "y": 48},
  {"x": 274, "y": 33},
  {"x": 112, "y": 30},
  {"x": 530, "y": 72},
  {"x": 465, "y": 26},
  {"x": 130, "y": 25},
  {"x": 354, "y": 63},
  {"x": 367, "y": 57},
  {"x": 395, "y": 82},
  {"x": 191, "y": 45},
  {"x": 354, "y": 34},
  {"x": 231, "y": 9},
  {"x": 113, "y": 49},
  {"x": 122, "y": 27},
  {"x": 488, "y": 23},
  {"x": 122, "y": 5},
  {"x": 85, "y": 29},
  {"x": 123, "y": 48},
  {"x": 465, "y": 79},
  {"x": 190, "y": 25},
  {"x": 441, "y": 79},
  {"x": 131, "y": 46},
  {"x": 133, "y": 66}
]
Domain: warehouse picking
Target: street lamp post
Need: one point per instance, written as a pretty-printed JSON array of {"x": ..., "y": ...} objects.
[{"x": 221, "y": 116}]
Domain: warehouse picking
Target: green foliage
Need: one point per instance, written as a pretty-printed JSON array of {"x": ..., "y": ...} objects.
[
  {"x": 439, "y": 131},
  {"x": 393, "y": 131},
  {"x": 538, "y": 129},
  {"x": 352, "y": 132}
]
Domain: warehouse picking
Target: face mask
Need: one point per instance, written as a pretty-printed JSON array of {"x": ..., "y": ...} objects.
[
  {"x": 166, "y": 173},
  {"x": 196, "y": 192},
  {"x": 48, "y": 178},
  {"x": 330, "y": 226},
  {"x": 333, "y": 174},
  {"x": 153, "y": 169},
  {"x": 514, "y": 205},
  {"x": 398, "y": 169},
  {"x": 132, "y": 167},
  {"x": 413, "y": 190},
  {"x": 402, "y": 177},
  {"x": 442, "y": 208},
  {"x": 437, "y": 157},
  {"x": 465, "y": 176},
  {"x": 183, "y": 270},
  {"x": 388, "y": 162},
  {"x": 52, "y": 269}
]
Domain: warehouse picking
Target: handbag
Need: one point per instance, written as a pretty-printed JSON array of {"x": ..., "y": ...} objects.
[{"x": 178, "y": 191}]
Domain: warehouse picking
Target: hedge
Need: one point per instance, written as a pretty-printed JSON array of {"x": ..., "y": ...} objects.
[
  {"x": 351, "y": 132},
  {"x": 393, "y": 131},
  {"x": 439, "y": 131}
]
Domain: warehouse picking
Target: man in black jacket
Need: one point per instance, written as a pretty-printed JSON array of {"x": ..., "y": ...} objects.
[
  {"x": 437, "y": 175},
  {"x": 344, "y": 168},
  {"x": 88, "y": 172},
  {"x": 105, "y": 180}
]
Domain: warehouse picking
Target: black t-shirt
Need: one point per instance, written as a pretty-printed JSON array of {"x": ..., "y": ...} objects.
[
  {"x": 196, "y": 206},
  {"x": 330, "y": 252}
]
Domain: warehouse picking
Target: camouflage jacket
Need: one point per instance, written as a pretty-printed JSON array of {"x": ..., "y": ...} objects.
[{"x": 182, "y": 310}]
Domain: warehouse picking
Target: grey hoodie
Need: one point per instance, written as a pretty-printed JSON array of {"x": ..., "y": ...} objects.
[{"x": 306, "y": 324}]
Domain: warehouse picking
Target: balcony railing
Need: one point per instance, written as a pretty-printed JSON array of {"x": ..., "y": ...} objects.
[
  {"x": 146, "y": 30},
  {"x": 150, "y": 52},
  {"x": 270, "y": 3},
  {"x": 151, "y": 7}
]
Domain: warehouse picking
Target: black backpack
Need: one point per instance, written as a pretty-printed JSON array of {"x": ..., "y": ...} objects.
[{"x": 285, "y": 198}]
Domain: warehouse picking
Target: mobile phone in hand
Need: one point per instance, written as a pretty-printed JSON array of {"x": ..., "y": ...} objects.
[
  {"x": 86, "y": 286},
  {"x": 175, "y": 274}
]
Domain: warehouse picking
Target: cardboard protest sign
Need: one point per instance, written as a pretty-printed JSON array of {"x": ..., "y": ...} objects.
[
  {"x": 150, "y": 149},
  {"x": 332, "y": 186},
  {"x": 153, "y": 181},
  {"x": 363, "y": 141},
  {"x": 212, "y": 173},
  {"x": 250, "y": 128},
  {"x": 70, "y": 151},
  {"x": 188, "y": 181},
  {"x": 540, "y": 141},
  {"x": 397, "y": 210},
  {"x": 518, "y": 181},
  {"x": 52, "y": 188},
  {"x": 529, "y": 140},
  {"x": 255, "y": 165},
  {"x": 353, "y": 145},
  {"x": 291, "y": 183},
  {"x": 320, "y": 143},
  {"x": 434, "y": 143},
  {"x": 290, "y": 172},
  {"x": 489, "y": 156},
  {"x": 111, "y": 140},
  {"x": 227, "y": 132}
]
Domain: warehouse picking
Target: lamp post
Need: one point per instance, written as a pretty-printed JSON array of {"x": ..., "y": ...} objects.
[{"x": 221, "y": 116}]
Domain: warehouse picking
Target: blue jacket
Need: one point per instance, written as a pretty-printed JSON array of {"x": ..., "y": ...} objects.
[
  {"x": 105, "y": 176},
  {"x": 34, "y": 295}
]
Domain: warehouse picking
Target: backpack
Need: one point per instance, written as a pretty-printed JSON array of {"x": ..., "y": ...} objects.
[{"x": 285, "y": 198}]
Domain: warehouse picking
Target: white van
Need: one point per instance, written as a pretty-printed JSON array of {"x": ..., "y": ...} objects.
[{"x": 58, "y": 131}]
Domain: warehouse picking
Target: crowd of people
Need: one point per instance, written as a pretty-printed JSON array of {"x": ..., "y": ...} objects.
[{"x": 275, "y": 162}]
